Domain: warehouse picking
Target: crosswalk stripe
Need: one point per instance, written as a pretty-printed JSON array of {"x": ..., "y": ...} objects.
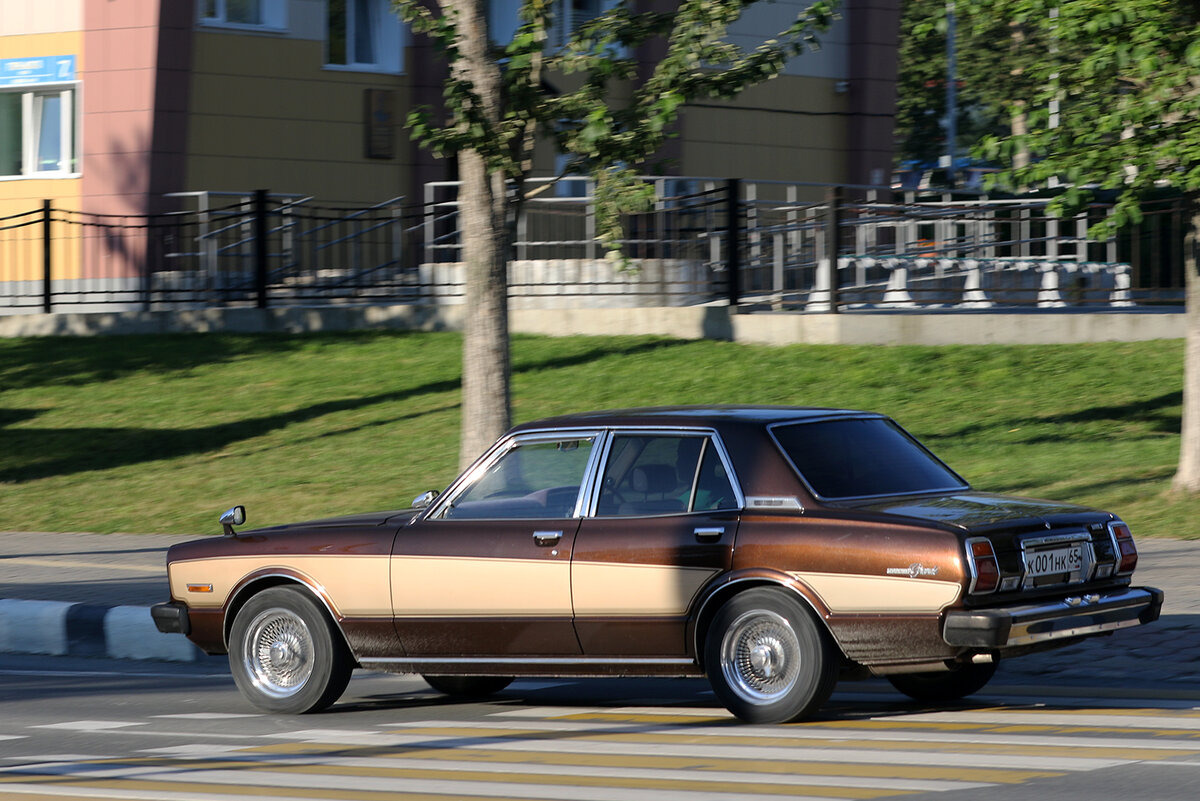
[
  {"x": 672, "y": 745},
  {"x": 617, "y": 775},
  {"x": 820, "y": 734},
  {"x": 1110, "y": 718},
  {"x": 316, "y": 784},
  {"x": 635, "y": 753},
  {"x": 583, "y": 758}
]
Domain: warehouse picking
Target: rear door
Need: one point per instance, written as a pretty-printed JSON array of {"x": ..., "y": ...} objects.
[{"x": 664, "y": 517}]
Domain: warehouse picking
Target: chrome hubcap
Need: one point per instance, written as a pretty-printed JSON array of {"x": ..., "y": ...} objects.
[
  {"x": 760, "y": 657},
  {"x": 278, "y": 653}
]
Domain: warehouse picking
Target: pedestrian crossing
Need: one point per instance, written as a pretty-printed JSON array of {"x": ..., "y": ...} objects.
[{"x": 575, "y": 753}]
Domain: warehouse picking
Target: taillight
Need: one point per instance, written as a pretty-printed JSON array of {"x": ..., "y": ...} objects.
[
  {"x": 1126, "y": 550},
  {"x": 985, "y": 570}
]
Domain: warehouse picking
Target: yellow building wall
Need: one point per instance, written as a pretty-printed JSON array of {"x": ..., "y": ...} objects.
[
  {"x": 266, "y": 115},
  {"x": 20, "y": 249}
]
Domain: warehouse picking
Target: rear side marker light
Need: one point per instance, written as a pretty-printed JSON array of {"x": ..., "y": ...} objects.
[
  {"x": 985, "y": 570},
  {"x": 1126, "y": 550}
]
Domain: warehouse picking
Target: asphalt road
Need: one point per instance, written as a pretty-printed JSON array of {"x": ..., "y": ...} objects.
[{"x": 74, "y": 728}]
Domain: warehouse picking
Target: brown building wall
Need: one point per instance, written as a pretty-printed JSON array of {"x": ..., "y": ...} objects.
[{"x": 874, "y": 40}]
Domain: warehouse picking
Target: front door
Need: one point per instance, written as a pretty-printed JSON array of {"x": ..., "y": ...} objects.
[
  {"x": 664, "y": 523},
  {"x": 487, "y": 573}
]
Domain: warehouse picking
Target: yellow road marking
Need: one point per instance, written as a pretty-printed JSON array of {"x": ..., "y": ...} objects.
[
  {"x": 1080, "y": 750},
  {"x": 766, "y": 766}
]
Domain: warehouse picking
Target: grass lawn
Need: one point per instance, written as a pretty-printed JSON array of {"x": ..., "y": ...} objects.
[{"x": 161, "y": 434}]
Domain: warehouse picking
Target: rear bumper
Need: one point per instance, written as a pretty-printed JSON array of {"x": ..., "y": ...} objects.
[
  {"x": 1076, "y": 616},
  {"x": 171, "y": 618}
]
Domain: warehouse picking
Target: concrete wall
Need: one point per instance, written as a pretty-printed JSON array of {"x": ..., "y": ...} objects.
[{"x": 694, "y": 322}]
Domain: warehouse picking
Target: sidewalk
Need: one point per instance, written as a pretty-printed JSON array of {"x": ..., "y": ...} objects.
[{"x": 88, "y": 595}]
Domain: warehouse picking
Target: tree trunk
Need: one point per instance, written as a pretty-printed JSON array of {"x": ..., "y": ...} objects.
[
  {"x": 1187, "y": 476},
  {"x": 486, "y": 370},
  {"x": 482, "y": 203}
]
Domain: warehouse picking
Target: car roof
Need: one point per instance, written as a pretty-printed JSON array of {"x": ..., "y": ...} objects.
[{"x": 690, "y": 416}]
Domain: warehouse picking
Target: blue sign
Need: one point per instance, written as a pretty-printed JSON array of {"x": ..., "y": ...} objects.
[{"x": 36, "y": 70}]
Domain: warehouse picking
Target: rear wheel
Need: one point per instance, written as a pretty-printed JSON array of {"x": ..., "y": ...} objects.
[
  {"x": 944, "y": 687},
  {"x": 285, "y": 653},
  {"x": 768, "y": 659},
  {"x": 468, "y": 686}
]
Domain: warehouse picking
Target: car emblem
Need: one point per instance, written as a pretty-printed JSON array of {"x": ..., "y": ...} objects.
[{"x": 913, "y": 571}]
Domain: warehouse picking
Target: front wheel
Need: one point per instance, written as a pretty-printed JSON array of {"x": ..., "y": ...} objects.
[
  {"x": 942, "y": 688},
  {"x": 285, "y": 653},
  {"x": 768, "y": 659}
]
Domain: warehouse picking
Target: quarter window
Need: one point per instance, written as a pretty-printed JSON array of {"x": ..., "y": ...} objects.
[
  {"x": 531, "y": 480},
  {"x": 38, "y": 133}
]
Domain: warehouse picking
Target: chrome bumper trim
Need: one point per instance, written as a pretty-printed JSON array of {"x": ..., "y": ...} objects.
[{"x": 1076, "y": 616}]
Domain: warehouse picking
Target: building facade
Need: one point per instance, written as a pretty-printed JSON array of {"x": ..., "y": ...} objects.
[{"x": 114, "y": 107}]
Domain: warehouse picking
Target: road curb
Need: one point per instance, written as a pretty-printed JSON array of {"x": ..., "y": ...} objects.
[{"x": 59, "y": 628}]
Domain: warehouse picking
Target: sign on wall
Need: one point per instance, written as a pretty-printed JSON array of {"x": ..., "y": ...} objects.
[
  {"x": 379, "y": 110},
  {"x": 36, "y": 70}
]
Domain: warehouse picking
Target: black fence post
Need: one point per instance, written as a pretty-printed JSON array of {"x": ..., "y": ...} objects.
[
  {"x": 733, "y": 235},
  {"x": 46, "y": 260},
  {"x": 833, "y": 219},
  {"x": 260, "y": 246}
]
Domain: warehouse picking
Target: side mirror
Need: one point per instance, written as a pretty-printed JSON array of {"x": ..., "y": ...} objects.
[
  {"x": 424, "y": 499},
  {"x": 233, "y": 517}
]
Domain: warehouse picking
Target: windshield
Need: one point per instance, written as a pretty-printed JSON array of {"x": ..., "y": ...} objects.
[{"x": 854, "y": 458}]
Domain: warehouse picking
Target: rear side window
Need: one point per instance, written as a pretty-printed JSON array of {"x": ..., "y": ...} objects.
[
  {"x": 654, "y": 474},
  {"x": 863, "y": 457}
]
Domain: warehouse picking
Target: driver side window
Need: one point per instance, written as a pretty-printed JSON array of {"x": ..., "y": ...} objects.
[{"x": 531, "y": 480}]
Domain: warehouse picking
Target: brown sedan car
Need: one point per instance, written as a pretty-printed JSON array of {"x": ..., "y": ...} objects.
[{"x": 771, "y": 549}]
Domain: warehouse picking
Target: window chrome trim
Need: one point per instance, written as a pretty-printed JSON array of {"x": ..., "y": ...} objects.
[
  {"x": 593, "y": 500},
  {"x": 502, "y": 447},
  {"x": 966, "y": 485}
]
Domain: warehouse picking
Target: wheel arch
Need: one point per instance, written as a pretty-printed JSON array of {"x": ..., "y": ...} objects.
[
  {"x": 729, "y": 586},
  {"x": 259, "y": 581}
]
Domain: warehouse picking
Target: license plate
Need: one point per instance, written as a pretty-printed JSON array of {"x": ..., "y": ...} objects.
[{"x": 1050, "y": 561}]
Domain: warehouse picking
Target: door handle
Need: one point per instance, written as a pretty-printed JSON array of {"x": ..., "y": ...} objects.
[
  {"x": 546, "y": 538},
  {"x": 709, "y": 534}
]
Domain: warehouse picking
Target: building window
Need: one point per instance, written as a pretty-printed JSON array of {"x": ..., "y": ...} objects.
[
  {"x": 364, "y": 35},
  {"x": 566, "y": 18},
  {"x": 38, "y": 133},
  {"x": 251, "y": 13}
]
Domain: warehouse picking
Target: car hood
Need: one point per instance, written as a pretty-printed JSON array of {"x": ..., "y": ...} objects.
[
  {"x": 979, "y": 511},
  {"x": 396, "y": 517}
]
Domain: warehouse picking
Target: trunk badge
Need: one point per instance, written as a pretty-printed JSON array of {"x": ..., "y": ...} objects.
[{"x": 913, "y": 571}]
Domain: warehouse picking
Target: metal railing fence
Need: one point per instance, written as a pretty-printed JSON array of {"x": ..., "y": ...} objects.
[{"x": 759, "y": 243}]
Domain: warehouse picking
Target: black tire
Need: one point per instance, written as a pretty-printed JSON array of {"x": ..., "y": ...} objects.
[
  {"x": 768, "y": 659},
  {"x": 944, "y": 687},
  {"x": 468, "y": 686},
  {"x": 285, "y": 653}
]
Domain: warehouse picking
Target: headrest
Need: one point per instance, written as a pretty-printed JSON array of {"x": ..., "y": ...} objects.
[{"x": 653, "y": 478}]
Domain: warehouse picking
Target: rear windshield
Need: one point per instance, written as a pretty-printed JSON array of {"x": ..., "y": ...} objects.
[{"x": 861, "y": 457}]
